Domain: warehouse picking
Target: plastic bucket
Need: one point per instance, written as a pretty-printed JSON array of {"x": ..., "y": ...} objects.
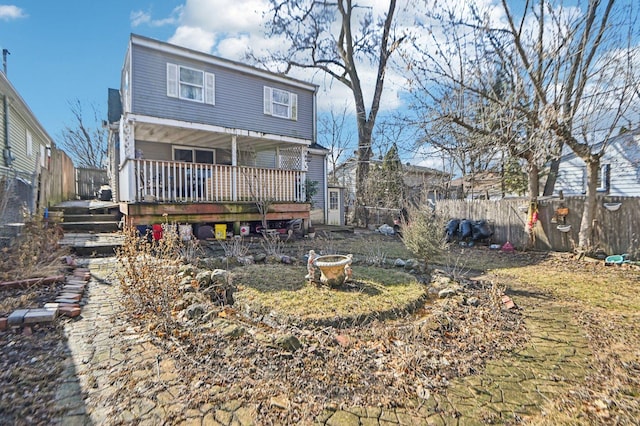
[
  {"x": 157, "y": 232},
  {"x": 221, "y": 231}
]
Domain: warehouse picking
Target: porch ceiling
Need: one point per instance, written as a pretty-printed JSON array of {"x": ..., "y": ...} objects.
[{"x": 195, "y": 137}]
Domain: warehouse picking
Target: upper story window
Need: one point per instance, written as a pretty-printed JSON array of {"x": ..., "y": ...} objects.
[
  {"x": 191, "y": 84},
  {"x": 280, "y": 103}
]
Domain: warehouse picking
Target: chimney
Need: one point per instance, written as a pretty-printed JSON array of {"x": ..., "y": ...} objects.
[{"x": 5, "y": 52}]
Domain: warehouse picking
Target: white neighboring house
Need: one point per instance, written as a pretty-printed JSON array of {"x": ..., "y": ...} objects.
[{"x": 619, "y": 169}]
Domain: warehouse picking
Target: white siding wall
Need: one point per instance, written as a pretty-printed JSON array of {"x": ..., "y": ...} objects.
[{"x": 623, "y": 157}]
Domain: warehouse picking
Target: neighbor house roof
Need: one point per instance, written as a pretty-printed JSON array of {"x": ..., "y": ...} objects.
[{"x": 412, "y": 168}]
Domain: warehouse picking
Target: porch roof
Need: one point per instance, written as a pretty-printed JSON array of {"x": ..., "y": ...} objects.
[{"x": 153, "y": 129}]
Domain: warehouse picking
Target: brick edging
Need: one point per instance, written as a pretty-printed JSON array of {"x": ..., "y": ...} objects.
[{"x": 67, "y": 303}]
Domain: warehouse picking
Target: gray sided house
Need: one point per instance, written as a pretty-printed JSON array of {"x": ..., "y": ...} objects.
[
  {"x": 199, "y": 139},
  {"x": 619, "y": 169}
]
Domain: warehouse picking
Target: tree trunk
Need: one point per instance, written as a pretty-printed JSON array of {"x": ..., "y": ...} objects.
[
  {"x": 534, "y": 188},
  {"x": 585, "y": 240},
  {"x": 362, "y": 173},
  {"x": 550, "y": 184},
  {"x": 534, "y": 181}
]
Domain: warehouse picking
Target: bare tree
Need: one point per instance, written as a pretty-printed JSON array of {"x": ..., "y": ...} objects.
[
  {"x": 335, "y": 135},
  {"x": 261, "y": 197},
  {"x": 85, "y": 141},
  {"x": 322, "y": 36},
  {"x": 583, "y": 81},
  {"x": 569, "y": 75}
]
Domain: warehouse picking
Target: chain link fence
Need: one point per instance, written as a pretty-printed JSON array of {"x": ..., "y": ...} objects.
[{"x": 17, "y": 201}]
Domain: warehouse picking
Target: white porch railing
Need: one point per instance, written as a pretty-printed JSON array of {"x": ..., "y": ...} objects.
[{"x": 173, "y": 181}]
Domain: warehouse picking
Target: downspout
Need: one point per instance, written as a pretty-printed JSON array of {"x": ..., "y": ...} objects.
[
  {"x": 326, "y": 190},
  {"x": 7, "y": 155}
]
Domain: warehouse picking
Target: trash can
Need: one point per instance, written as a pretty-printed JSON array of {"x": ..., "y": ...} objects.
[{"x": 221, "y": 231}]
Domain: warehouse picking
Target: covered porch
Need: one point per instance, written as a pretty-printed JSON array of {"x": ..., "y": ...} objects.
[{"x": 196, "y": 173}]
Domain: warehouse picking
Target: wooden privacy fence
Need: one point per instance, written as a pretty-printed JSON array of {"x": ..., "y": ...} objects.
[
  {"x": 57, "y": 181},
  {"x": 89, "y": 181},
  {"x": 614, "y": 231}
]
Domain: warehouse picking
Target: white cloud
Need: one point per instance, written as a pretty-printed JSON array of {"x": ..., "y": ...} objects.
[
  {"x": 194, "y": 38},
  {"x": 223, "y": 16},
  {"x": 232, "y": 29},
  {"x": 140, "y": 17},
  {"x": 10, "y": 12}
]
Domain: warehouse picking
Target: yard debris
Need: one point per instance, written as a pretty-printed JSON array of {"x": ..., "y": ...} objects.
[
  {"x": 507, "y": 247},
  {"x": 386, "y": 230},
  {"x": 508, "y": 303}
]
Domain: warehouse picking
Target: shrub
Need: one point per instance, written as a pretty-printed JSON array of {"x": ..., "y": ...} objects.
[
  {"x": 272, "y": 244},
  {"x": 148, "y": 274},
  {"x": 423, "y": 234},
  {"x": 235, "y": 247},
  {"x": 35, "y": 253}
]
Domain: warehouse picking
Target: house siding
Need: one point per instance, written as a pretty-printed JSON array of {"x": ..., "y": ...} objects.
[
  {"x": 18, "y": 140},
  {"x": 624, "y": 170},
  {"x": 571, "y": 176},
  {"x": 623, "y": 156},
  {"x": 315, "y": 173},
  {"x": 238, "y": 97}
]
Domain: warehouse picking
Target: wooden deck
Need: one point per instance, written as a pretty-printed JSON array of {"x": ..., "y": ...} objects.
[{"x": 229, "y": 212}]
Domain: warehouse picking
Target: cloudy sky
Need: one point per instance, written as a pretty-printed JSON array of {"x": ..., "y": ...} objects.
[{"x": 74, "y": 49}]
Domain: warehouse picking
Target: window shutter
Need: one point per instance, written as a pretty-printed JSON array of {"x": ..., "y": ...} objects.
[
  {"x": 172, "y": 80},
  {"x": 267, "y": 100},
  {"x": 209, "y": 88},
  {"x": 29, "y": 144},
  {"x": 294, "y": 106}
]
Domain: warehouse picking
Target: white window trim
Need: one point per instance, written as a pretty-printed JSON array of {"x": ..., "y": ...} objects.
[
  {"x": 292, "y": 106},
  {"x": 193, "y": 150},
  {"x": 208, "y": 84},
  {"x": 604, "y": 171}
]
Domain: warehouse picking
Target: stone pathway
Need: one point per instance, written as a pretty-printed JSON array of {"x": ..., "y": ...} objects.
[{"x": 508, "y": 390}]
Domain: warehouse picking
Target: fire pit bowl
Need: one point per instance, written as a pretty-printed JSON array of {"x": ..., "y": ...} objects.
[{"x": 334, "y": 269}]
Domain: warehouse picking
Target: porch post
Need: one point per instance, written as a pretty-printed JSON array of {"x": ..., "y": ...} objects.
[
  {"x": 303, "y": 176},
  {"x": 234, "y": 168},
  {"x": 128, "y": 182}
]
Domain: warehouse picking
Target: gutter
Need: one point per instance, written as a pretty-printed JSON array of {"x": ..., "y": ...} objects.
[{"x": 6, "y": 153}]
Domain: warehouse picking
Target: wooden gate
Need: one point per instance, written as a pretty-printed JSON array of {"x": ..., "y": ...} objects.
[{"x": 89, "y": 181}]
